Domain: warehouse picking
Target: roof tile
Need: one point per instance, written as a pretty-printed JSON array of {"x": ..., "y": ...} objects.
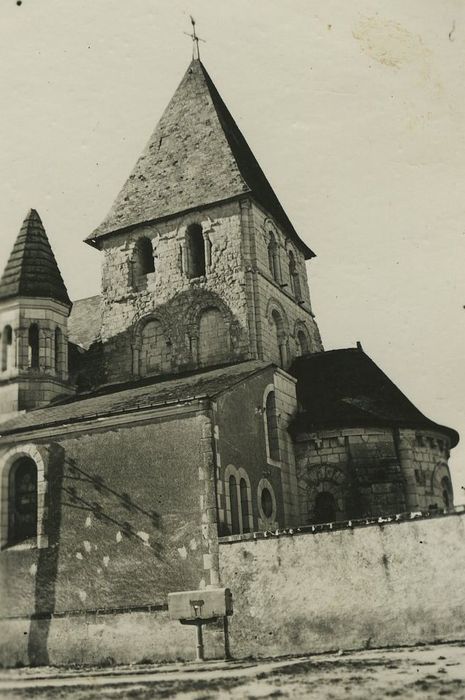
[
  {"x": 119, "y": 400},
  {"x": 345, "y": 388},
  {"x": 196, "y": 156},
  {"x": 31, "y": 270}
]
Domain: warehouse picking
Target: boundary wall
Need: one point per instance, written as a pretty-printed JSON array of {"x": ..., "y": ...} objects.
[
  {"x": 132, "y": 635},
  {"x": 382, "y": 582}
]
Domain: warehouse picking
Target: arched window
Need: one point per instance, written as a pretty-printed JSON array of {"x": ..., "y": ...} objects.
[
  {"x": 294, "y": 277},
  {"x": 441, "y": 486},
  {"x": 325, "y": 508},
  {"x": 33, "y": 346},
  {"x": 213, "y": 337},
  {"x": 238, "y": 497},
  {"x": 446, "y": 492},
  {"x": 271, "y": 427},
  {"x": 155, "y": 352},
  {"x": 302, "y": 343},
  {"x": 145, "y": 257},
  {"x": 195, "y": 249},
  {"x": 278, "y": 339},
  {"x": 234, "y": 504},
  {"x": 7, "y": 339},
  {"x": 244, "y": 505},
  {"x": 273, "y": 261},
  {"x": 57, "y": 349},
  {"x": 22, "y": 501}
]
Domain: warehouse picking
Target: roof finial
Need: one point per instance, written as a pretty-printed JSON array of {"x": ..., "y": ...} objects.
[{"x": 195, "y": 40}]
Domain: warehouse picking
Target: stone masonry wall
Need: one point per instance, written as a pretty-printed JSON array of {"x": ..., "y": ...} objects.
[
  {"x": 286, "y": 408},
  {"x": 169, "y": 295},
  {"x": 424, "y": 458},
  {"x": 126, "y": 636},
  {"x": 269, "y": 293},
  {"x": 240, "y": 450},
  {"x": 360, "y": 467},
  {"x": 237, "y": 282},
  {"x": 240, "y": 447},
  {"x": 399, "y": 583},
  {"x": 34, "y": 387},
  {"x": 130, "y": 517}
]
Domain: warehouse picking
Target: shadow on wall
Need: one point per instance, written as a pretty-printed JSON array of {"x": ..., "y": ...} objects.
[
  {"x": 63, "y": 494},
  {"x": 97, "y": 483},
  {"x": 47, "y": 564}
]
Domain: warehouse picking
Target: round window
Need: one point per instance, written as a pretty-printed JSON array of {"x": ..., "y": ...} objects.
[{"x": 267, "y": 503}]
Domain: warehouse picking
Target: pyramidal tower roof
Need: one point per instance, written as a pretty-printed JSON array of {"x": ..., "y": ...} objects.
[
  {"x": 196, "y": 156},
  {"x": 31, "y": 270}
]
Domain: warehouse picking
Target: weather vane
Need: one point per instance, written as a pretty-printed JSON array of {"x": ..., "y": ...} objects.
[{"x": 195, "y": 40}]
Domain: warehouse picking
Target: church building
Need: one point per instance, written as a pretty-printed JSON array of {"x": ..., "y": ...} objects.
[{"x": 191, "y": 400}]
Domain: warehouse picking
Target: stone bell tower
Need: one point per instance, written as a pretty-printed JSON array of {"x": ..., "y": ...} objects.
[
  {"x": 34, "y": 308},
  {"x": 201, "y": 264}
]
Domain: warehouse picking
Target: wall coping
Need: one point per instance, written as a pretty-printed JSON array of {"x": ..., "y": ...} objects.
[
  {"x": 336, "y": 526},
  {"x": 83, "y": 612}
]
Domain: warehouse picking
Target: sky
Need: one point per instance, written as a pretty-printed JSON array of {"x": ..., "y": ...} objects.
[{"x": 355, "y": 111}]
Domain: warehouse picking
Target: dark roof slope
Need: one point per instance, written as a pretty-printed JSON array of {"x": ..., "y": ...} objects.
[
  {"x": 145, "y": 395},
  {"x": 345, "y": 388},
  {"x": 31, "y": 270},
  {"x": 85, "y": 321},
  {"x": 196, "y": 156}
]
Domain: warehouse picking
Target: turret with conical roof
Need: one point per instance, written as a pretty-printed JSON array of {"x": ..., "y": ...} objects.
[
  {"x": 32, "y": 270},
  {"x": 34, "y": 308},
  {"x": 198, "y": 246}
]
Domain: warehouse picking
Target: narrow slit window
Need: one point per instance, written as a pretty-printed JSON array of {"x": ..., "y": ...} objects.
[
  {"x": 58, "y": 344},
  {"x": 302, "y": 343},
  {"x": 7, "y": 339},
  {"x": 145, "y": 254},
  {"x": 278, "y": 338},
  {"x": 273, "y": 261},
  {"x": 195, "y": 251},
  {"x": 33, "y": 346},
  {"x": 272, "y": 427},
  {"x": 234, "y": 505},
  {"x": 294, "y": 278},
  {"x": 447, "y": 498},
  {"x": 244, "y": 505}
]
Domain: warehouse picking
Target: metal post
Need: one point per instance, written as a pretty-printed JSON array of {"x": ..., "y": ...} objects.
[
  {"x": 199, "y": 646},
  {"x": 227, "y": 652}
]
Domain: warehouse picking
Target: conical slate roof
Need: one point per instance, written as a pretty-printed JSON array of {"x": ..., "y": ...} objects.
[
  {"x": 196, "y": 156},
  {"x": 32, "y": 270},
  {"x": 345, "y": 388}
]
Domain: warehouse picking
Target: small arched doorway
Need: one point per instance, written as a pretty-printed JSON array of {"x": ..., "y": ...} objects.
[{"x": 325, "y": 507}]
